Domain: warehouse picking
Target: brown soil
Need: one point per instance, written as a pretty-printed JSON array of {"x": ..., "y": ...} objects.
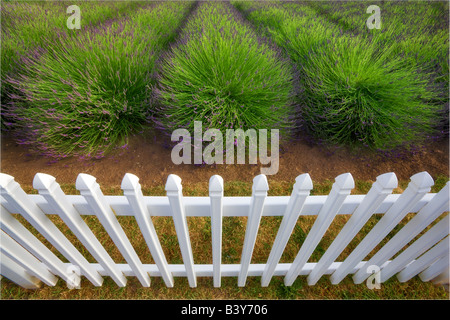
[{"x": 151, "y": 162}]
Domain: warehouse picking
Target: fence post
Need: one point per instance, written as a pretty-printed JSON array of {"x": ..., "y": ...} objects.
[
  {"x": 340, "y": 190},
  {"x": 300, "y": 192},
  {"x": 381, "y": 188},
  {"x": 420, "y": 184},
  {"x": 90, "y": 190},
  {"x": 259, "y": 194},
  {"x": 426, "y": 241},
  {"x": 421, "y": 220},
  {"x": 174, "y": 193},
  {"x": 26, "y": 239},
  {"x": 216, "y": 197},
  {"x": 14, "y": 272},
  {"x": 25, "y": 259},
  {"x": 438, "y": 251},
  {"x": 132, "y": 190},
  {"x": 51, "y": 191},
  {"x": 12, "y": 192}
]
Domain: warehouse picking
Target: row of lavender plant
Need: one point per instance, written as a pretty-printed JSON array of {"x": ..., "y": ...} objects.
[
  {"x": 222, "y": 73},
  {"x": 89, "y": 92},
  {"x": 29, "y": 26},
  {"x": 418, "y": 29},
  {"x": 354, "y": 90}
]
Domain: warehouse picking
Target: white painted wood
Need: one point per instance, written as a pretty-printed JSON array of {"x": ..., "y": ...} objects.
[
  {"x": 12, "y": 192},
  {"x": 435, "y": 269},
  {"x": 232, "y": 206},
  {"x": 340, "y": 190},
  {"x": 442, "y": 278},
  {"x": 300, "y": 192},
  {"x": 425, "y": 260},
  {"x": 14, "y": 272},
  {"x": 228, "y": 270},
  {"x": 420, "y": 184},
  {"x": 132, "y": 190},
  {"x": 174, "y": 193},
  {"x": 435, "y": 234},
  {"x": 381, "y": 188},
  {"x": 90, "y": 190},
  {"x": 259, "y": 194},
  {"x": 25, "y": 259},
  {"x": 26, "y": 239},
  {"x": 216, "y": 197},
  {"x": 419, "y": 222},
  {"x": 51, "y": 191}
]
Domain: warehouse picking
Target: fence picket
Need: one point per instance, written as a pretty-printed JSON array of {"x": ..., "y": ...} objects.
[
  {"x": 259, "y": 194},
  {"x": 381, "y": 188},
  {"x": 340, "y": 190},
  {"x": 216, "y": 198},
  {"x": 27, "y": 240},
  {"x": 435, "y": 269},
  {"x": 90, "y": 190},
  {"x": 51, "y": 191},
  {"x": 420, "y": 184},
  {"x": 421, "y": 220},
  {"x": 174, "y": 193},
  {"x": 425, "y": 260},
  {"x": 12, "y": 192},
  {"x": 25, "y": 259},
  {"x": 300, "y": 192},
  {"x": 132, "y": 190},
  {"x": 439, "y": 231},
  {"x": 17, "y": 274}
]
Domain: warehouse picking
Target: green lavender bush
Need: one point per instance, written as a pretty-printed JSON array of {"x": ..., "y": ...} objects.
[
  {"x": 221, "y": 73},
  {"x": 91, "y": 92},
  {"x": 355, "y": 90}
]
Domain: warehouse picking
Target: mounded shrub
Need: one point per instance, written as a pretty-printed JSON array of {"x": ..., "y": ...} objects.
[
  {"x": 88, "y": 94},
  {"x": 221, "y": 73}
]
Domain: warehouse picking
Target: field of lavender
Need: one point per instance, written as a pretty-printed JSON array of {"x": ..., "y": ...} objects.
[{"x": 308, "y": 68}]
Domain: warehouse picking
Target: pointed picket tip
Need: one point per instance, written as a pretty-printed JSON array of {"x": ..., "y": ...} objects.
[
  {"x": 422, "y": 180},
  {"x": 85, "y": 181},
  {"x": 216, "y": 183},
  {"x": 345, "y": 181},
  {"x": 173, "y": 183},
  {"x": 43, "y": 181},
  {"x": 130, "y": 182},
  {"x": 388, "y": 180},
  {"x": 260, "y": 183},
  {"x": 5, "y": 179},
  {"x": 303, "y": 182}
]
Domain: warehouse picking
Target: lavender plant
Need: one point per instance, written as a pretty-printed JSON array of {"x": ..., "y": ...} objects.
[
  {"x": 354, "y": 90},
  {"x": 28, "y": 27},
  {"x": 93, "y": 91},
  {"x": 419, "y": 32},
  {"x": 221, "y": 73}
]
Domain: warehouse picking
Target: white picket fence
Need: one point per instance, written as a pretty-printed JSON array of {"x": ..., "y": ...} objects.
[{"x": 27, "y": 261}]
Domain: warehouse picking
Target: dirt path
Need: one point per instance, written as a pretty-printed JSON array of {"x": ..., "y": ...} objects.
[{"x": 151, "y": 162}]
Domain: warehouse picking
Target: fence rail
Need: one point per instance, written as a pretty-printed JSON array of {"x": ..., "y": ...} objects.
[{"x": 27, "y": 261}]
